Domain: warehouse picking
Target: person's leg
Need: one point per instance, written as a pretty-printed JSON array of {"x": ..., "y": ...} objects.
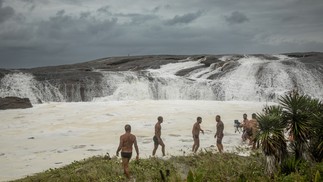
[
  {"x": 163, "y": 146},
  {"x": 155, "y": 148},
  {"x": 125, "y": 162},
  {"x": 197, "y": 145},
  {"x": 155, "y": 145},
  {"x": 219, "y": 144},
  {"x": 194, "y": 145},
  {"x": 244, "y": 136}
]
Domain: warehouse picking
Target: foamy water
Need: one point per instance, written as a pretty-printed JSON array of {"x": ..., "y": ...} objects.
[{"x": 52, "y": 135}]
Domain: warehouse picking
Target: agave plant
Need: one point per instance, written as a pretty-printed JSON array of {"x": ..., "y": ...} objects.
[
  {"x": 271, "y": 138},
  {"x": 297, "y": 115},
  {"x": 316, "y": 138}
]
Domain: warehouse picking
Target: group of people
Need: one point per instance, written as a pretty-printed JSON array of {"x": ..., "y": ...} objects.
[
  {"x": 128, "y": 140},
  {"x": 250, "y": 129},
  {"x": 218, "y": 135}
]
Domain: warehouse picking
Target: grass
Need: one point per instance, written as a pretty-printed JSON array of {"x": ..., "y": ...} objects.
[{"x": 206, "y": 166}]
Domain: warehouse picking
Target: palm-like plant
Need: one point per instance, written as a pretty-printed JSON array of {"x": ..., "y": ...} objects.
[
  {"x": 302, "y": 116},
  {"x": 271, "y": 138},
  {"x": 297, "y": 115},
  {"x": 316, "y": 138}
]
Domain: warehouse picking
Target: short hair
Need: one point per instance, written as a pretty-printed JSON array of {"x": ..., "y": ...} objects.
[
  {"x": 198, "y": 118},
  {"x": 254, "y": 115},
  {"x": 160, "y": 118},
  {"x": 127, "y": 127},
  {"x": 245, "y": 114}
]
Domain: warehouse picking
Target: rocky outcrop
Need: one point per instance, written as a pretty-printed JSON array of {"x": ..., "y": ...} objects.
[
  {"x": 88, "y": 80},
  {"x": 14, "y": 103}
]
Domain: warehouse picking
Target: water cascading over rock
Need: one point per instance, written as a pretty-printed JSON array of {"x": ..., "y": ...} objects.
[{"x": 225, "y": 78}]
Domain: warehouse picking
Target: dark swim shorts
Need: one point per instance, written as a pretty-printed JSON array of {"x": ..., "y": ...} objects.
[
  {"x": 126, "y": 155},
  {"x": 219, "y": 139},
  {"x": 195, "y": 136},
  {"x": 155, "y": 140}
]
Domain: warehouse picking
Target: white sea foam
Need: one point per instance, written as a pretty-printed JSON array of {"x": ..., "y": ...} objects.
[{"x": 55, "y": 134}]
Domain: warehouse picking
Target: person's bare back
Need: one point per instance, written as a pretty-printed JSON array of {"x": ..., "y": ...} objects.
[{"x": 127, "y": 140}]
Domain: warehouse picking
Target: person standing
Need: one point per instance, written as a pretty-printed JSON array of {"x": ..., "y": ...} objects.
[
  {"x": 157, "y": 138},
  {"x": 219, "y": 133},
  {"x": 246, "y": 132},
  {"x": 196, "y": 132},
  {"x": 127, "y": 140}
]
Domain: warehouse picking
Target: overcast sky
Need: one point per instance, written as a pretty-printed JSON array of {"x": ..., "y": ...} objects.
[{"x": 37, "y": 33}]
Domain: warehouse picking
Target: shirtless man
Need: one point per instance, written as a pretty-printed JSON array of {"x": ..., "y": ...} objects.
[
  {"x": 196, "y": 132},
  {"x": 247, "y": 132},
  {"x": 127, "y": 140},
  {"x": 219, "y": 133},
  {"x": 157, "y": 139}
]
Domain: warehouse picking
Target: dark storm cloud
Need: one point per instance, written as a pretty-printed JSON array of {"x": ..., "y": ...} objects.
[
  {"x": 184, "y": 19},
  {"x": 5, "y": 12},
  {"x": 70, "y": 31},
  {"x": 236, "y": 17}
]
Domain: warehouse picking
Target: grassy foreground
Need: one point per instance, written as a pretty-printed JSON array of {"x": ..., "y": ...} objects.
[{"x": 206, "y": 166}]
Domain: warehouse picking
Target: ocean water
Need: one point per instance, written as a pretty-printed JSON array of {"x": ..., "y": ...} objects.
[
  {"x": 54, "y": 134},
  {"x": 58, "y": 132}
]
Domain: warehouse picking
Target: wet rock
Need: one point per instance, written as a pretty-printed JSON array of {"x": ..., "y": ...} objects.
[{"x": 14, "y": 103}]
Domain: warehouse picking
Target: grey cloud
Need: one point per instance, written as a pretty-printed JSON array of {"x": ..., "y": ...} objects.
[
  {"x": 86, "y": 30},
  {"x": 105, "y": 10},
  {"x": 5, "y": 12},
  {"x": 236, "y": 17},
  {"x": 184, "y": 19},
  {"x": 28, "y": 1},
  {"x": 84, "y": 15}
]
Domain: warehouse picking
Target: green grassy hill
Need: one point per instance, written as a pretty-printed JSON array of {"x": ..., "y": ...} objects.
[{"x": 205, "y": 166}]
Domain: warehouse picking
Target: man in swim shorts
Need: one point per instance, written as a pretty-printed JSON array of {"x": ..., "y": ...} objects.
[
  {"x": 157, "y": 138},
  {"x": 127, "y": 140},
  {"x": 245, "y": 125},
  {"x": 219, "y": 133},
  {"x": 196, "y": 133}
]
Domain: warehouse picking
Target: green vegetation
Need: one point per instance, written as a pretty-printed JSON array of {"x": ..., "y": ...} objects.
[
  {"x": 301, "y": 117},
  {"x": 206, "y": 166},
  {"x": 277, "y": 159}
]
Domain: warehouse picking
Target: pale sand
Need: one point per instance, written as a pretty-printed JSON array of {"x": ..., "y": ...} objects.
[{"x": 52, "y": 135}]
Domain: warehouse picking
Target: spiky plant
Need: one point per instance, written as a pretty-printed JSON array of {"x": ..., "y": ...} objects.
[
  {"x": 316, "y": 138},
  {"x": 271, "y": 139},
  {"x": 297, "y": 115}
]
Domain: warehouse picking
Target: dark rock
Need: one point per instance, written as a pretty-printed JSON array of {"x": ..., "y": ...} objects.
[
  {"x": 83, "y": 81},
  {"x": 14, "y": 103},
  {"x": 183, "y": 72}
]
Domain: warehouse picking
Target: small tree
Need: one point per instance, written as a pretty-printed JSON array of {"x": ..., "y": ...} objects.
[
  {"x": 297, "y": 114},
  {"x": 271, "y": 138},
  {"x": 302, "y": 117}
]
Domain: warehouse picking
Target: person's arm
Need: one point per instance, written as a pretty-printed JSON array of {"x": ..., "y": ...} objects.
[
  {"x": 136, "y": 148},
  {"x": 217, "y": 131},
  {"x": 120, "y": 146},
  {"x": 201, "y": 129}
]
